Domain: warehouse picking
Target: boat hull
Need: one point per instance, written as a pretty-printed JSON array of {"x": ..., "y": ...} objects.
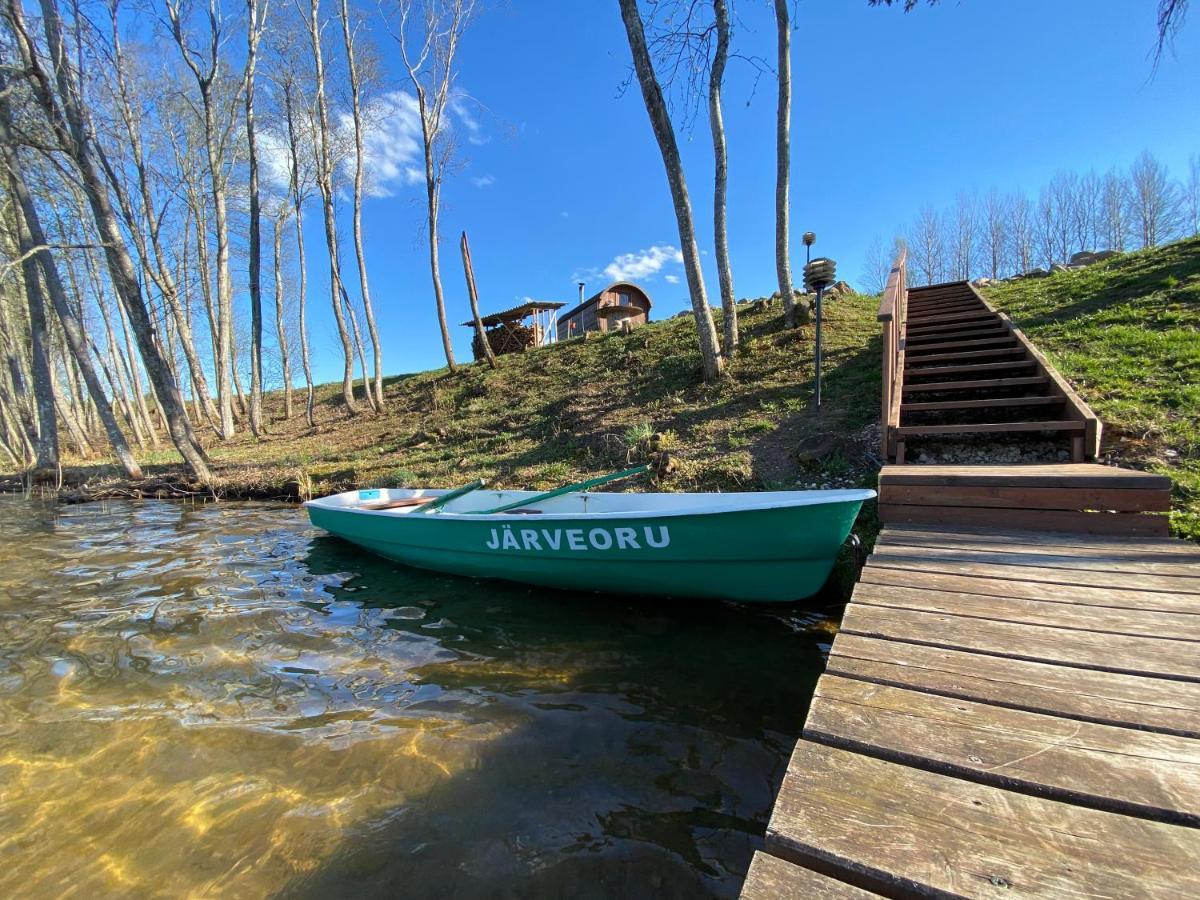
[{"x": 768, "y": 554}]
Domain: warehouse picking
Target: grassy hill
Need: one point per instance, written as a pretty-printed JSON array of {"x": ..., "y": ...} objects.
[
  {"x": 1126, "y": 334},
  {"x": 584, "y": 407}
]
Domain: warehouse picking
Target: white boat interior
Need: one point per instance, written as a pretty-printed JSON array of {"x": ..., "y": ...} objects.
[{"x": 407, "y": 501}]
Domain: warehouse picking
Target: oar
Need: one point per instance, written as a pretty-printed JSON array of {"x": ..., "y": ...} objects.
[
  {"x": 450, "y": 495},
  {"x": 566, "y": 489}
]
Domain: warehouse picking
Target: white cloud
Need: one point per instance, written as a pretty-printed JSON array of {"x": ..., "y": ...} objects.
[
  {"x": 482, "y": 181},
  {"x": 671, "y": 279},
  {"x": 459, "y": 105},
  {"x": 391, "y": 147},
  {"x": 644, "y": 264}
]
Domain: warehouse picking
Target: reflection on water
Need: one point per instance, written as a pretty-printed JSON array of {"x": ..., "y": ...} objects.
[{"x": 204, "y": 701}]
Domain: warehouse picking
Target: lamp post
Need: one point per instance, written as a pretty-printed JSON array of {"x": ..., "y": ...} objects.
[{"x": 819, "y": 274}]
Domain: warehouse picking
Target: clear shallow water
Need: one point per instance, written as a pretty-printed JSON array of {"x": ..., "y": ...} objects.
[{"x": 221, "y": 701}]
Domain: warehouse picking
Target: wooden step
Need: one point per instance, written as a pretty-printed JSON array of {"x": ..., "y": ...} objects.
[
  {"x": 991, "y": 402},
  {"x": 970, "y": 354},
  {"x": 910, "y": 372},
  {"x": 1082, "y": 475},
  {"x": 1065, "y": 427},
  {"x": 960, "y": 345},
  {"x": 921, "y": 330},
  {"x": 974, "y": 334},
  {"x": 966, "y": 302},
  {"x": 948, "y": 318},
  {"x": 975, "y": 385}
]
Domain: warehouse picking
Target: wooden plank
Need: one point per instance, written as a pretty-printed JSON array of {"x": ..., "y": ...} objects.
[
  {"x": 1082, "y": 571},
  {"x": 1138, "y": 773},
  {"x": 1046, "y": 520},
  {"x": 965, "y": 334},
  {"x": 917, "y": 352},
  {"x": 990, "y": 403},
  {"x": 965, "y": 313},
  {"x": 988, "y": 427},
  {"x": 1054, "y": 475},
  {"x": 906, "y": 831},
  {"x": 911, "y": 372},
  {"x": 1129, "y": 654},
  {"x": 969, "y": 354},
  {"x": 1105, "y": 619},
  {"x": 1177, "y": 552},
  {"x": 973, "y": 385},
  {"x": 917, "y": 330},
  {"x": 1033, "y": 590},
  {"x": 1118, "y": 499},
  {"x": 1129, "y": 563},
  {"x": 1131, "y": 701},
  {"x": 995, "y": 539},
  {"x": 771, "y": 878}
]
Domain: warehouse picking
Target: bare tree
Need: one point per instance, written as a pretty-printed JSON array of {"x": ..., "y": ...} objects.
[
  {"x": 46, "y": 433},
  {"x": 324, "y": 177},
  {"x": 72, "y": 326},
  {"x": 356, "y": 111},
  {"x": 926, "y": 245},
  {"x": 1020, "y": 231},
  {"x": 429, "y": 33},
  {"x": 995, "y": 238},
  {"x": 1088, "y": 208},
  {"x": 876, "y": 267},
  {"x": 783, "y": 167},
  {"x": 280, "y": 217},
  {"x": 716, "y": 125},
  {"x": 1154, "y": 201},
  {"x": 60, "y": 102},
  {"x": 1191, "y": 195},
  {"x": 664, "y": 133},
  {"x": 219, "y": 118},
  {"x": 964, "y": 238},
  {"x": 255, "y": 22},
  {"x": 1115, "y": 202}
]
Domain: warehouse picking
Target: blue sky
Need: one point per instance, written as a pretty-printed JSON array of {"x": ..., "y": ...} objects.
[{"x": 561, "y": 176}]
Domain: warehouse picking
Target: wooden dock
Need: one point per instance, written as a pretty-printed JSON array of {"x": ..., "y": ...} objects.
[{"x": 1004, "y": 713}]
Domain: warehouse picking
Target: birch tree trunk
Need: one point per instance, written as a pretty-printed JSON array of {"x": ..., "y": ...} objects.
[
  {"x": 360, "y": 256},
  {"x": 660, "y": 120},
  {"x": 716, "y": 123},
  {"x": 205, "y": 82},
  {"x": 73, "y": 329},
  {"x": 45, "y": 465},
  {"x": 280, "y": 327},
  {"x": 301, "y": 264},
  {"x": 253, "y": 33},
  {"x": 433, "y": 190},
  {"x": 62, "y": 106},
  {"x": 325, "y": 185},
  {"x": 783, "y": 164}
]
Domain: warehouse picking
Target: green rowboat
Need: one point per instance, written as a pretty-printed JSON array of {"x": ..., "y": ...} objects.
[{"x": 762, "y": 546}]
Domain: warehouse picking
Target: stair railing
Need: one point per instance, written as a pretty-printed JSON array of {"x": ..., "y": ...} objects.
[{"x": 893, "y": 309}]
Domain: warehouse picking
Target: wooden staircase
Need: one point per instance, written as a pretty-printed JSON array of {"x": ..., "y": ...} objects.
[{"x": 965, "y": 370}]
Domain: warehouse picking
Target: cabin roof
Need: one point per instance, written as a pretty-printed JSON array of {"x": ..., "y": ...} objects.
[
  {"x": 516, "y": 313},
  {"x": 596, "y": 296}
]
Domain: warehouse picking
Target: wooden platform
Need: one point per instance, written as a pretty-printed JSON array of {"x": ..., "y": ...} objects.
[
  {"x": 1083, "y": 497},
  {"x": 1004, "y": 713}
]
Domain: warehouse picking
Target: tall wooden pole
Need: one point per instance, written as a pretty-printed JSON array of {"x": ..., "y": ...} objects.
[{"x": 480, "y": 335}]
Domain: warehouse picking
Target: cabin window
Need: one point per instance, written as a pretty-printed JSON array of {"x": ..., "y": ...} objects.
[{"x": 624, "y": 300}]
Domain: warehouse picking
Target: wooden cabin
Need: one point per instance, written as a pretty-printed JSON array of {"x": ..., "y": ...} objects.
[
  {"x": 518, "y": 329},
  {"x": 621, "y": 301}
]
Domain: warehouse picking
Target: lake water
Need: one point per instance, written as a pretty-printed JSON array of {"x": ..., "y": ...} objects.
[{"x": 221, "y": 701}]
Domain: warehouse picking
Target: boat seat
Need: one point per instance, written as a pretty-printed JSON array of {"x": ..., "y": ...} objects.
[{"x": 396, "y": 504}]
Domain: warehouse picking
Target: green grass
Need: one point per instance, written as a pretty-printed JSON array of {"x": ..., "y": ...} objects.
[{"x": 1126, "y": 334}]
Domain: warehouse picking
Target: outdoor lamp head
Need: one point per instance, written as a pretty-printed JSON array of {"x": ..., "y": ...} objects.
[
  {"x": 820, "y": 273},
  {"x": 810, "y": 238}
]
